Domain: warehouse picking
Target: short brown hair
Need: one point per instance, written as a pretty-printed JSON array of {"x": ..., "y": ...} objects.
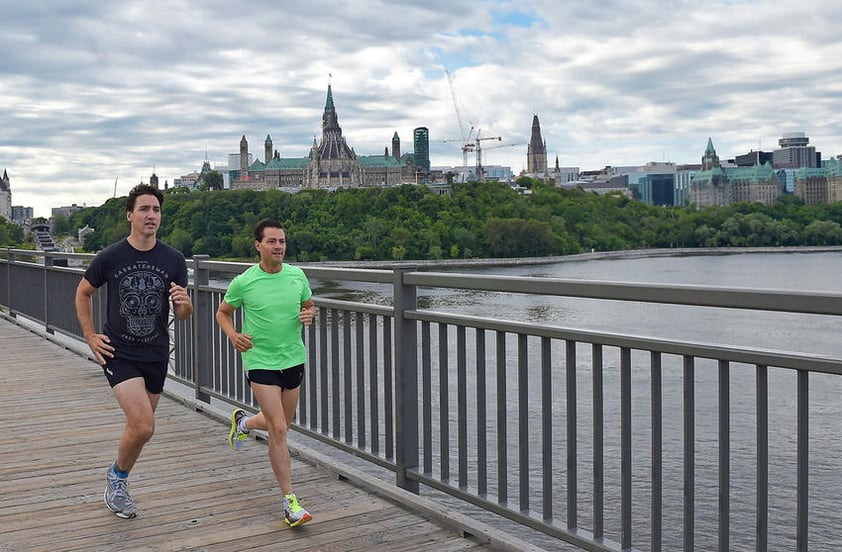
[{"x": 143, "y": 189}]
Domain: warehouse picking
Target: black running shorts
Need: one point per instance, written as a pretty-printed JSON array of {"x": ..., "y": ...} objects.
[
  {"x": 154, "y": 374},
  {"x": 289, "y": 378}
]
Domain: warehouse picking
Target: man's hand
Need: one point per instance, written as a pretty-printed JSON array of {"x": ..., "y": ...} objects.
[
  {"x": 100, "y": 346},
  {"x": 181, "y": 303},
  {"x": 242, "y": 342}
]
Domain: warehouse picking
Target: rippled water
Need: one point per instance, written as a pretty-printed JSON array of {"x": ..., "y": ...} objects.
[{"x": 788, "y": 332}]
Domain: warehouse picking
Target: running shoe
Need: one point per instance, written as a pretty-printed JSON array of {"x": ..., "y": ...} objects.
[
  {"x": 236, "y": 436},
  {"x": 294, "y": 514},
  {"x": 117, "y": 496}
]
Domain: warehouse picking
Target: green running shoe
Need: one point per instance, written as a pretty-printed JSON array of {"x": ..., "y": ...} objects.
[
  {"x": 294, "y": 514},
  {"x": 236, "y": 436}
]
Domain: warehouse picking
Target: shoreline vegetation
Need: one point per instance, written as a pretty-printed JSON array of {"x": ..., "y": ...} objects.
[
  {"x": 580, "y": 257},
  {"x": 411, "y": 225}
]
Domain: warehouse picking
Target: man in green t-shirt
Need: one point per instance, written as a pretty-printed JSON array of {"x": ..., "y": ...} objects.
[{"x": 277, "y": 303}]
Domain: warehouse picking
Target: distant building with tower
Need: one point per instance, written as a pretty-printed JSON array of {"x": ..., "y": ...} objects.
[
  {"x": 536, "y": 151},
  {"x": 5, "y": 197},
  {"x": 715, "y": 185},
  {"x": 331, "y": 162}
]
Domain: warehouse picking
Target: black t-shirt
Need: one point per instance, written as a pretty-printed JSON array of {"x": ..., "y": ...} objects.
[{"x": 137, "y": 296}]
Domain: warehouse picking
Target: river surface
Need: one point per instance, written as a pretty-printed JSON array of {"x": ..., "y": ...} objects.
[{"x": 780, "y": 332}]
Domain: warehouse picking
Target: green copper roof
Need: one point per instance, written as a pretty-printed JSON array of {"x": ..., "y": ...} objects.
[
  {"x": 702, "y": 175},
  {"x": 286, "y": 163},
  {"x": 710, "y": 149},
  {"x": 377, "y": 161},
  {"x": 759, "y": 173},
  {"x": 329, "y": 103},
  {"x": 807, "y": 172},
  {"x": 257, "y": 165}
]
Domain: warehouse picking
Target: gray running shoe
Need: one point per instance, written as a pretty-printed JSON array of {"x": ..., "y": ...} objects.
[{"x": 117, "y": 496}]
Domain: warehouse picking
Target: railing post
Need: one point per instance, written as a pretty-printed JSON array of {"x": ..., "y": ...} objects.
[
  {"x": 406, "y": 382},
  {"x": 48, "y": 262},
  {"x": 11, "y": 261},
  {"x": 202, "y": 327}
]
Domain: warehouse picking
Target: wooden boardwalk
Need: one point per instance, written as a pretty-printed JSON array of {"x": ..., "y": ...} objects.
[{"x": 61, "y": 429}]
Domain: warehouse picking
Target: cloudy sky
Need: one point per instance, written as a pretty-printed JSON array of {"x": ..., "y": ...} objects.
[{"x": 94, "y": 91}]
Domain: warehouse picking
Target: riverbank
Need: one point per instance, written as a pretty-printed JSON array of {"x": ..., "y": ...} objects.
[{"x": 596, "y": 255}]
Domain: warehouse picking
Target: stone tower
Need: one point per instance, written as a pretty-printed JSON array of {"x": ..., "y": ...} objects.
[
  {"x": 396, "y": 146},
  {"x": 536, "y": 152},
  {"x": 5, "y": 197},
  {"x": 244, "y": 158},
  {"x": 267, "y": 150},
  {"x": 710, "y": 159},
  {"x": 332, "y": 162}
]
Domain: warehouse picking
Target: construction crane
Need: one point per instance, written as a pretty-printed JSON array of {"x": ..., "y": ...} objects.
[
  {"x": 477, "y": 145},
  {"x": 468, "y": 145}
]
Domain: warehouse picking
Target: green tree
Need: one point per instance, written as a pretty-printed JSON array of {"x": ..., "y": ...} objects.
[
  {"x": 212, "y": 180},
  {"x": 61, "y": 225}
]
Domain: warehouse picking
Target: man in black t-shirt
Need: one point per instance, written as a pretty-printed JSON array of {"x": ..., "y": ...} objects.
[{"x": 142, "y": 275}]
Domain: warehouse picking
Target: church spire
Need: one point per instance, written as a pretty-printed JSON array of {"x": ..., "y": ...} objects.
[{"x": 536, "y": 151}]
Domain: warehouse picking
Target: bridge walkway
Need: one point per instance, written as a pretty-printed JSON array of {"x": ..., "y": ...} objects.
[{"x": 61, "y": 429}]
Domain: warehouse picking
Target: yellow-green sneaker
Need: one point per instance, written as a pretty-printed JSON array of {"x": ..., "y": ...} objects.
[
  {"x": 294, "y": 514},
  {"x": 236, "y": 436}
]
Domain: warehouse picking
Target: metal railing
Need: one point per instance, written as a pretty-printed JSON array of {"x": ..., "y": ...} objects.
[{"x": 563, "y": 430}]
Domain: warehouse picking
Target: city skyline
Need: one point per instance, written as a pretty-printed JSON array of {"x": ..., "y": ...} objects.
[{"x": 94, "y": 92}]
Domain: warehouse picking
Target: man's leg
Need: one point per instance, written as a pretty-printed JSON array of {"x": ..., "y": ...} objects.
[
  {"x": 272, "y": 418},
  {"x": 139, "y": 407}
]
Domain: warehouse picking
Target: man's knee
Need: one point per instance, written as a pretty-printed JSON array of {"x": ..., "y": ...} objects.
[{"x": 142, "y": 430}]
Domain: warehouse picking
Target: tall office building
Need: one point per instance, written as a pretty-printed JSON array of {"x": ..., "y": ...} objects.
[
  {"x": 421, "y": 144},
  {"x": 795, "y": 152}
]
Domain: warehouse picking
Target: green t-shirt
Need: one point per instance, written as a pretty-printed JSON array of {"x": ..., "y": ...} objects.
[{"x": 271, "y": 305}]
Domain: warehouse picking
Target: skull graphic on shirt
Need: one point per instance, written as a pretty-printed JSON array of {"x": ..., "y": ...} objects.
[{"x": 141, "y": 301}]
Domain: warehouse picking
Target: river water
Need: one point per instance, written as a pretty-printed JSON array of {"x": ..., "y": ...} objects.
[{"x": 784, "y": 332}]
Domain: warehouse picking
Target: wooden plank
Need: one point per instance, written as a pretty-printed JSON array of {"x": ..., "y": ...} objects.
[{"x": 193, "y": 492}]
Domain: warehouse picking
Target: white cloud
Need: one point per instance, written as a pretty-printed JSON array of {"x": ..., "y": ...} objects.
[{"x": 92, "y": 91}]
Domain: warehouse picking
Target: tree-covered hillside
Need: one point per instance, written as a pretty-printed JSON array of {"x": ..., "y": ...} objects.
[{"x": 475, "y": 220}]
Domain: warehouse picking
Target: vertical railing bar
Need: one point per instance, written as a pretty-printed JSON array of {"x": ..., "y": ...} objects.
[
  {"x": 359, "y": 332},
  {"x": 523, "y": 420},
  {"x": 482, "y": 406},
  {"x": 335, "y": 394},
  {"x": 657, "y": 452},
  {"x": 598, "y": 453},
  {"x": 374, "y": 384},
  {"x": 762, "y": 508},
  {"x": 318, "y": 387},
  {"x": 324, "y": 361},
  {"x": 343, "y": 374},
  {"x": 462, "y": 406},
  {"x": 427, "y": 397},
  {"x": 502, "y": 421},
  {"x": 547, "y": 427},
  {"x": 689, "y": 453},
  {"x": 803, "y": 466},
  {"x": 309, "y": 377},
  {"x": 388, "y": 387},
  {"x": 625, "y": 448},
  {"x": 444, "y": 403},
  {"x": 724, "y": 456},
  {"x": 572, "y": 454}
]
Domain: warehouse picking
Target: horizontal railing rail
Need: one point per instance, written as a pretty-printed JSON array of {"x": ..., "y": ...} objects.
[{"x": 604, "y": 439}]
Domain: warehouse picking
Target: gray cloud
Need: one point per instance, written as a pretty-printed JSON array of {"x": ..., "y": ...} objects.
[{"x": 91, "y": 91}]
